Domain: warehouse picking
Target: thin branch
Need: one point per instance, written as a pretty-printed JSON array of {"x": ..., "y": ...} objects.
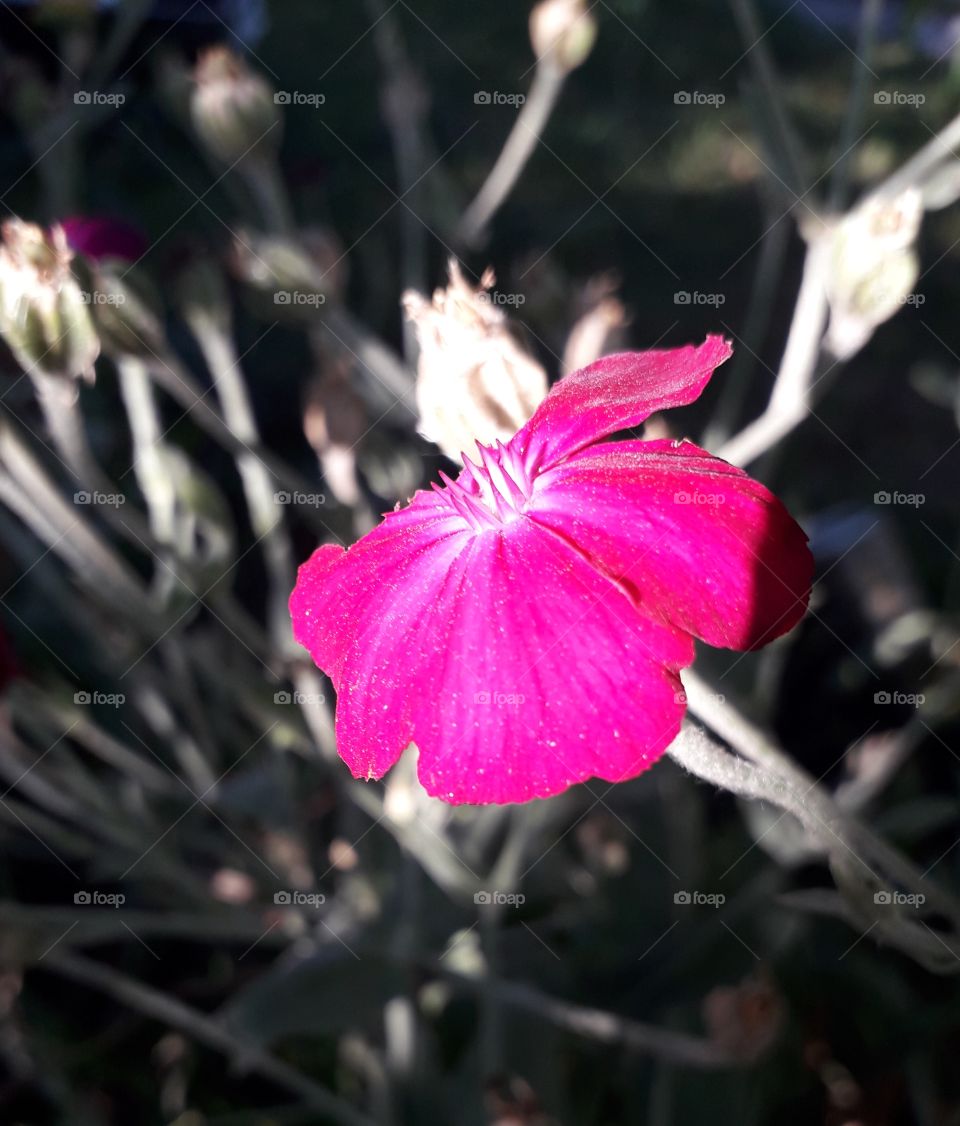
[{"x": 244, "y": 1055}]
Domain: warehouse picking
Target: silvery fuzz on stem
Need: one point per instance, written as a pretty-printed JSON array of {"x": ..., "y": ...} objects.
[
  {"x": 233, "y": 108},
  {"x": 45, "y": 316},
  {"x": 474, "y": 381}
]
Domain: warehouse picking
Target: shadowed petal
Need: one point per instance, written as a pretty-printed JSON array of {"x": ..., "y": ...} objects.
[
  {"x": 614, "y": 393},
  {"x": 702, "y": 545}
]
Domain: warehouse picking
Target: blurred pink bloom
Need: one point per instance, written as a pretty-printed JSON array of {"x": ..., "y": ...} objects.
[
  {"x": 525, "y": 624},
  {"x": 99, "y": 238}
]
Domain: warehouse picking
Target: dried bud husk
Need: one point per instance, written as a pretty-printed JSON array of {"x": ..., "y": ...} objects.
[
  {"x": 872, "y": 268},
  {"x": 334, "y": 421},
  {"x": 474, "y": 382},
  {"x": 297, "y": 276},
  {"x": 124, "y": 305},
  {"x": 233, "y": 108},
  {"x": 562, "y": 32},
  {"x": 745, "y": 1019},
  {"x": 44, "y": 314},
  {"x": 596, "y": 331}
]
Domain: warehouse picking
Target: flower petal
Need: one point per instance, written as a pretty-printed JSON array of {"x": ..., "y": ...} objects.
[
  {"x": 616, "y": 392},
  {"x": 337, "y": 590},
  {"x": 513, "y": 664},
  {"x": 701, "y": 545},
  {"x": 550, "y": 677}
]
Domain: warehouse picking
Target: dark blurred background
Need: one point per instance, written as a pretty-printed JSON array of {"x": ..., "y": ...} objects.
[{"x": 200, "y": 998}]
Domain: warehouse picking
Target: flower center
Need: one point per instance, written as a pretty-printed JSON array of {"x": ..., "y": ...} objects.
[{"x": 493, "y": 493}]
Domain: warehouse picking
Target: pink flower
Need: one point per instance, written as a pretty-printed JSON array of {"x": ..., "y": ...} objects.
[
  {"x": 525, "y": 624},
  {"x": 98, "y": 238}
]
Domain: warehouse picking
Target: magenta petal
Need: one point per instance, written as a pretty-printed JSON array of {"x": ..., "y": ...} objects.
[
  {"x": 543, "y": 675},
  {"x": 614, "y": 393},
  {"x": 348, "y": 605},
  {"x": 98, "y": 238},
  {"x": 701, "y": 545}
]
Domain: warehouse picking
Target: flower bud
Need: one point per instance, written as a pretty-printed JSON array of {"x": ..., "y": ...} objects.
[
  {"x": 232, "y": 107},
  {"x": 123, "y": 304},
  {"x": 334, "y": 422},
  {"x": 598, "y": 327},
  {"x": 44, "y": 315},
  {"x": 474, "y": 382},
  {"x": 872, "y": 268},
  {"x": 562, "y": 32},
  {"x": 298, "y": 276}
]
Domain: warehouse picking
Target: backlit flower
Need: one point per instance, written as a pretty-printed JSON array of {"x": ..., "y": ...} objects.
[
  {"x": 44, "y": 315},
  {"x": 474, "y": 381},
  {"x": 525, "y": 624}
]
